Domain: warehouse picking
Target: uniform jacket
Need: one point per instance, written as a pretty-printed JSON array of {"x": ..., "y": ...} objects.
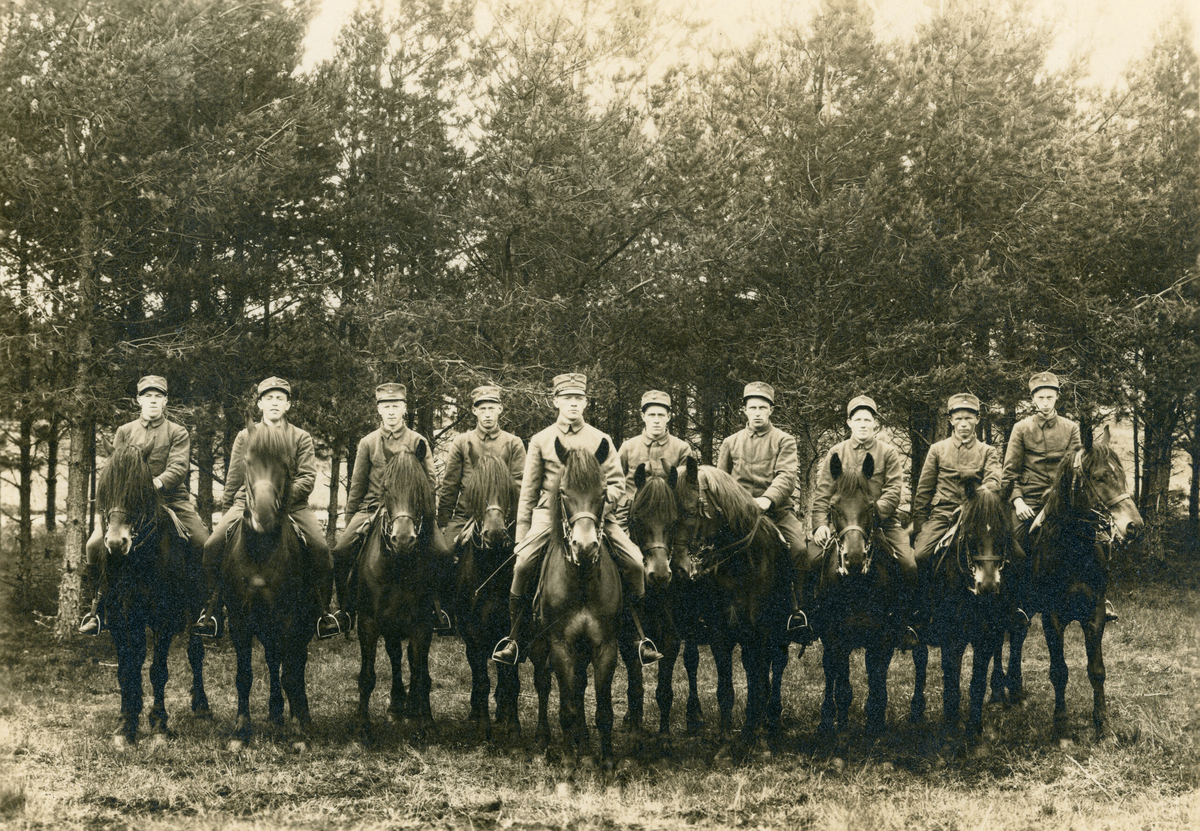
[
  {"x": 948, "y": 463},
  {"x": 370, "y": 460},
  {"x": 476, "y": 444},
  {"x": 302, "y": 464},
  {"x": 1035, "y": 448},
  {"x": 889, "y": 469},
  {"x": 166, "y": 447},
  {"x": 640, "y": 450},
  {"x": 542, "y": 468},
  {"x": 764, "y": 463}
]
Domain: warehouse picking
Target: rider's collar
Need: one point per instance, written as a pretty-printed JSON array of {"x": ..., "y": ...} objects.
[
  {"x": 394, "y": 434},
  {"x": 966, "y": 443},
  {"x": 487, "y": 435},
  {"x": 148, "y": 423},
  {"x": 1045, "y": 421},
  {"x": 567, "y": 427},
  {"x": 865, "y": 444},
  {"x": 766, "y": 428},
  {"x": 659, "y": 442}
]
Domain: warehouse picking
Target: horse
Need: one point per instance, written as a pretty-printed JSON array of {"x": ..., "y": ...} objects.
[
  {"x": 652, "y": 517},
  {"x": 485, "y": 567},
  {"x": 394, "y": 592},
  {"x": 857, "y": 601},
  {"x": 267, "y": 583},
  {"x": 1088, "y": 510},
  {"x": 578, "y": 609},
  {"x": 153, "y": 581},
  {"x": 739, "y": 561},
  {"x": 971, "y": 602}
]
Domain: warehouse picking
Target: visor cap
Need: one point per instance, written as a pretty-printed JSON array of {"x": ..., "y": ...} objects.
[
  {"x": 570, "y": 382},
  {"x": 655, "y": 397},
  {"x": 1043, "y": 379},
  {"x": 485, "y": 393},
  {"x": 274, "y": 383},
  {"x": 963, "y": 401},
  {"x": 759, "y": 389},
  {"x": 390, "y": 391},
  {"x": 152, "y": 382},
  {"x": 860, "y": 402}
]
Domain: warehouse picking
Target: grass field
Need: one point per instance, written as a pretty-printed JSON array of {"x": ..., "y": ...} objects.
[{"x": 59, "y": 769}]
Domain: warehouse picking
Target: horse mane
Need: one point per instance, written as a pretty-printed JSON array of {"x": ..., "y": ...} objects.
[
  {"x": 490, "y": 480},
  {"x": 986, "y": 511},
  {"x": 268, "y": 447},
  {"x": 654, "y": 499},
  {"x": 405, "y": 474},
  {"x": 581, "y": 472},
  {"x": 741, "y": 512},
  {"x": 851, "y": 482},
  {"x": 126, "y": 483},
  {"x": 1059, "y": 501}
]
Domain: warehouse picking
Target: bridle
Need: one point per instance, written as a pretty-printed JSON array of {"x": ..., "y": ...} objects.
[
  {"x": 477, "y": 531},
  {"x": 839, "y": 544},
  {"x": 567, "y": 524}
]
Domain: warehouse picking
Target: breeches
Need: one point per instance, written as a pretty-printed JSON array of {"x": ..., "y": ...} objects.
[
  {"x": 933, "y": 530},
  {"x": 532, "y": 550},
  {"x": 306, "y": 521},
  {"x": 197, "y": 531},
  {"x": 897, "y": 540}
]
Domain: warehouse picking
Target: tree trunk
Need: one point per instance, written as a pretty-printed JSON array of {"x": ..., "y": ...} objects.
[
  {"x": 204, "y": 462},
  {"x": 24, "y": 570},
  {"x": 335, "y": 467},
  {"x": 922, "y": 432},
  {"x": 1156, "y": 484},
  {"x": 52, "y": 473},
  {"x": 81, "y": 433},
  {"x": 1194, "y": 485}
]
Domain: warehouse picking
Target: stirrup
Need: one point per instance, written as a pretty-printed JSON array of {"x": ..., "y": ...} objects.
[
  {"x": 910, "y": 639},
  {"x": 1021, "y": 618},
  {"x": 1110, "y": 613},
  {"x": 329, "y": 625},
  {"x": 797, "y": 621},
  {"x": 504, "y": 659},
  {"x": 91, "y": 625},
  {"x": 208, "y": 626},
  {"x": 442, "y": 625},
  {"x": 648, "y": 653}
]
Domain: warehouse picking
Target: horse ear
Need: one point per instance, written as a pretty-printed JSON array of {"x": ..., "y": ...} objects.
[
  {"x": 835, "y": 466},
  {"x": 1087, "y": 439},
  {"x": 970, "y": 486},
  {"x": 422, "y": 450},
  {"x": 691, "y": 470},
  {"x": 671, "y": 473},
  {"x": 640, "y": 475},
  {"x": 603, "y": 450},
  {"x": 1104, "y": 437},
  {"x": 559, "y": 450},
  {"x": 869, "y": 466},
  {"x": 249, "y": 425}
]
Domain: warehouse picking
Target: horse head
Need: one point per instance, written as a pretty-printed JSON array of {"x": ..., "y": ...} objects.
[
  {"x": 408, "y": 499},
  {"x": 652, "y": 518},
  {"x": 490, "y": 495},
  {"x": 688, "y": 509},
  {"x": 128, "y": 502},
  {"x": 580, "y": 499},
  {"x": 985, "y": 538},
  {"x": 852, "y": 513},
  {"x": 268, "y": 477},
  {"x": 1098, "y": 486}
]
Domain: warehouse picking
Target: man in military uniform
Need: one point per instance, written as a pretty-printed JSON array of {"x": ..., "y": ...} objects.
[
  {"x": 542, "y": 470},
  {"x": 765, "y": 462},
  {"x": 274, "y": 401},
  {"x": 654, "y": 446},
  {"x": 1037, "y": 446},
  {"x": 166, "y": 447},
  {"x": 487, "y": 439},
  {"x": 940, "y": 491},
  {"x": 366, "y": 482},
  {"x": 861, "y": 418}
]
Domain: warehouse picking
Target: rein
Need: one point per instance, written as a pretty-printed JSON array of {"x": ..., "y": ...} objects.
[{"x": 734, "y": 548}]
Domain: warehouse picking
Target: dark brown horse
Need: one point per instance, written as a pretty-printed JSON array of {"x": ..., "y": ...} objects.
[
  {"x": 972, "y": 602},
  {"x": 578, "y": 610},
  {"x": 485, "y": 568},
  {"x": 394, "y": 592},
  {"x": 738, "y": 561},
  {"x": 267, "y": 584},
  {"x": 857, "y": 599},
  {"x": 153, "y": 581},
  {"x": 652, "y": 518},
  {"x": 1087, "y": 512}
]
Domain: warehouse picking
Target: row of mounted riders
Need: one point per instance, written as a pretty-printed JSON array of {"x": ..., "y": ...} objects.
[{"x": 731, "y": 587}]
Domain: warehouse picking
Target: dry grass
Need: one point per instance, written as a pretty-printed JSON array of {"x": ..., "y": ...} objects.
[{"x": 58, "y": 705}]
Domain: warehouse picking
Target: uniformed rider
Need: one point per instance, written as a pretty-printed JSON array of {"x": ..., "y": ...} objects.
[{"x": 652, "y": 447}]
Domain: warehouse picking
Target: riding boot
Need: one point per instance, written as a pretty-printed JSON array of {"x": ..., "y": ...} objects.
[
  {"x": 331, "y": 622},
  {"x": 647, "y": 652},
  {"x": 507, "y": 651},
  {"x": 93, "y": 622}
]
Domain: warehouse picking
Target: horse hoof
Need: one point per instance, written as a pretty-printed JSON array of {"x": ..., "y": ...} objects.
[
  {"x": 122, "y": 742},
  {"x": 158, "y": 740},
  {"x": 203, "y": 714},
  {"x": 236, "y": 745},
  {"x": 563, "y": 790},
  {"x": 300, "y": 746},
  {"x": 836, "y": 766},
  {"x": 588, "y": 763},
  {"x": 1065, "y": 743}
]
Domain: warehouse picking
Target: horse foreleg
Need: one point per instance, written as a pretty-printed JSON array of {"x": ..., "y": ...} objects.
[
  {"x": 722, "y": 652},
  {"x": 158, "y": 683},
  {"x": 829, "y": 663},
  {"x": 241, "y": 638},
  {"x": 419, "y": 681},
  {"x": 664, "y": 692},
  {"x": 635, "y": 687},
  {"x": 564, "y": 673},
  {"x": 130, "y": 640},
  {"x": 294, "y": 658},
  {"x": 982, "y": 652},
  {"x": 691, "y": 664},
  {"x": 604, "y": 664},
  {"x": 541, "y": 683},
  {"x": 878, "y": 660},
  {"x": 1093, "y": 640},
  {"x": 952, "y": 656},
  {"x": 920, "y": 659},
  {"x": 756, "y": 663},
  {"x": 1053, "y": 627},
  {"x": 1015, "y": 680},
  {"x": 508, "y": 692},
  {"x": 195, "y": 654},
  {"x": 481, "y": 682},
  {"x": 273, "y": 652}
]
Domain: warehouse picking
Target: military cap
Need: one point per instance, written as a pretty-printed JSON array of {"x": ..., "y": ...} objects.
[
  {"x": 1043, "y": 379},
  {"x": 390, "y": 391},
  {"x": 570, "y": 382},
  {"x": 274, "y": 383},
  {"x": 152, "y": 382},
  {"x": 758, "y": 389},
  {"x": 963, "y": 401},
  {"x": 860, "y": 402},
  {"x": 485, "y": 393},
  {"x": 655, "y": 397}
]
